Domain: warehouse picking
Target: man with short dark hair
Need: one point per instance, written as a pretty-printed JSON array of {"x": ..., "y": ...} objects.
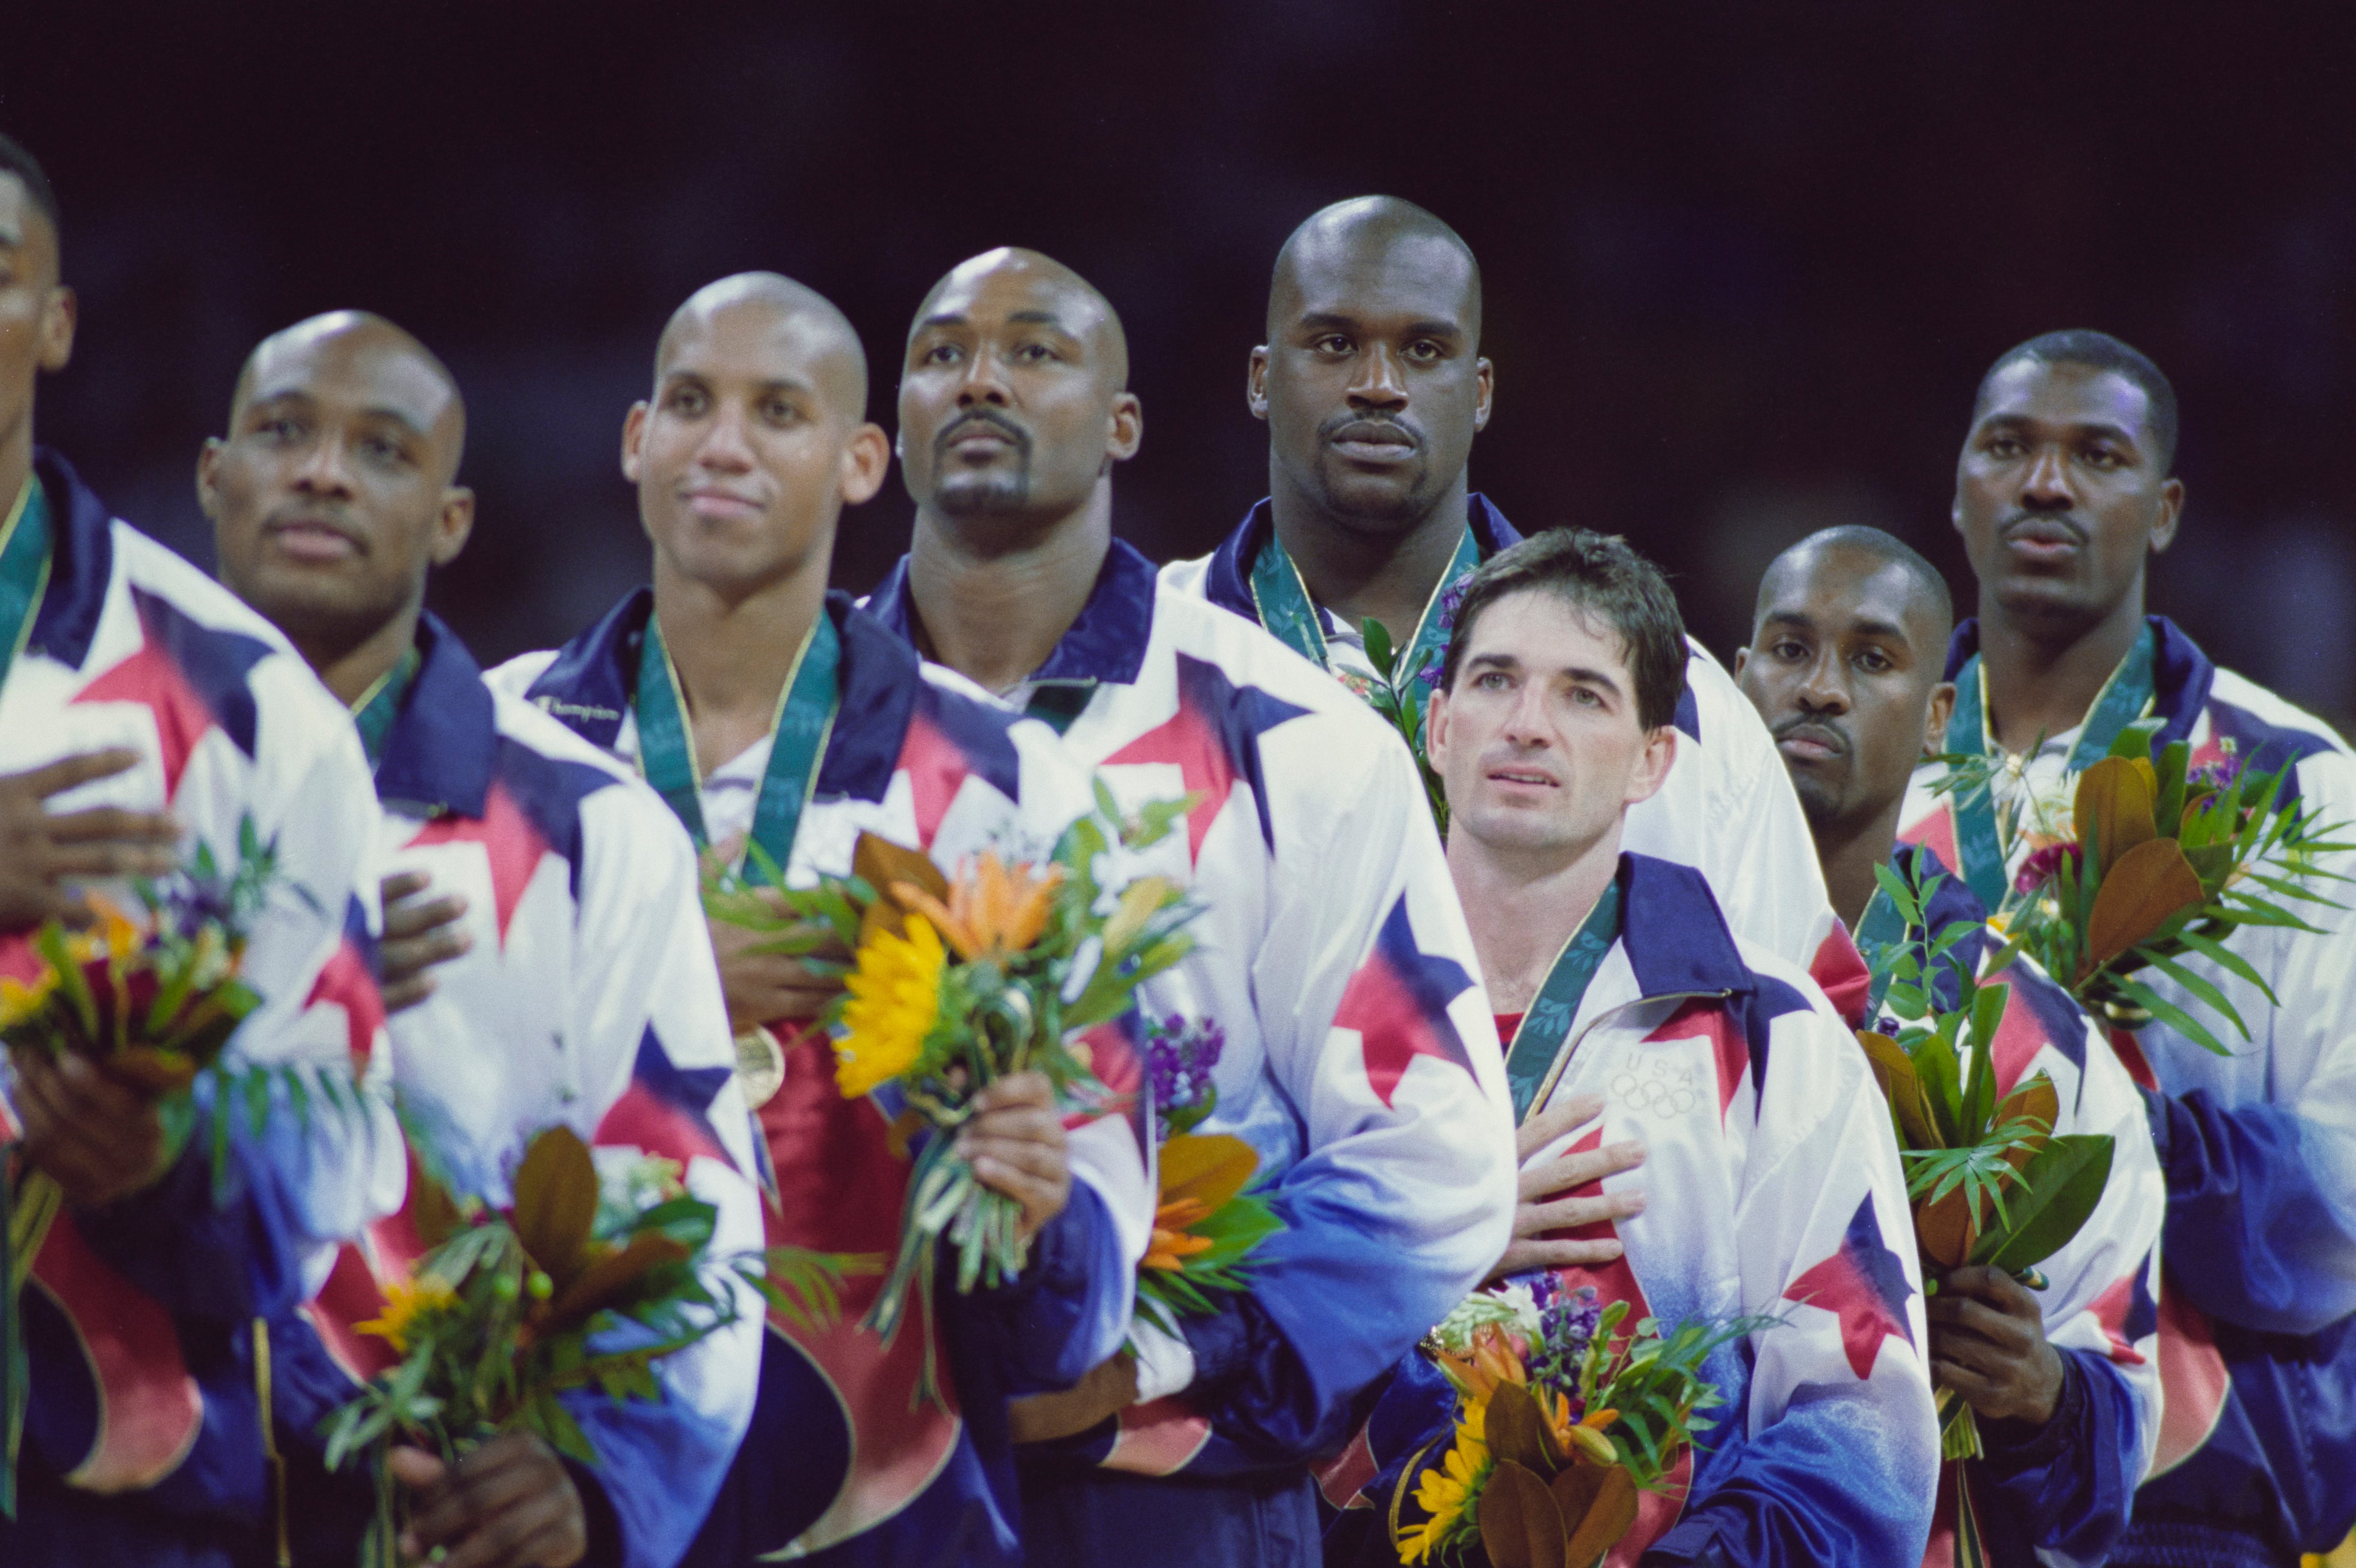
[
  {"x": 1372, "y": 383},
  {"x": 160, "y": 715},
  {"x": 1771, "y": 1182},
  {"x": 1359, "y": 1061},
  {"x": 2064, "y": 489},
  {"x": 1844, "y": 663},
  {"x": 585, "y": 994},
  {"x": 765, "y": 711}
]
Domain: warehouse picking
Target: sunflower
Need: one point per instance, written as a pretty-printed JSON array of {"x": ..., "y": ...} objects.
[
  {"x": 405, "y": 1301},
  {"x": 1452, "y": 1490},
  {"x": 895, "y": 997}
]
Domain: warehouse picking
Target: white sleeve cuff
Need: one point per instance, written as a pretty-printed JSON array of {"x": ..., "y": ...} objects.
[{"x": 1165, "y": 1363}]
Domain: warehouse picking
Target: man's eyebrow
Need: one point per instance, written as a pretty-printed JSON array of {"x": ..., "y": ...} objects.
[
  {"x": 1502, "y": 661},
  {"x": 1799, "y": 618},
  {"x": 942, "y": 318},
  {"x": 1593, "y": 678},
  {"x": 2105, "y": 429}
]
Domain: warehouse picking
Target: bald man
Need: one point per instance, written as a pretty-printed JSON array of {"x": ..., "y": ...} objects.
[
  {"x": 1360, "y": 1063},
  {"x": 1846, "y": 666},
  {"x": 765, "y": 711},
  {"x": 146, "y": 713},
  {"x": 578, "y": 989},
  {"x": 1372, "y": 383}
]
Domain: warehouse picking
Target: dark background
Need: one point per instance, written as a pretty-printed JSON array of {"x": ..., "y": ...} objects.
[{"x": 1744, "y": 264}]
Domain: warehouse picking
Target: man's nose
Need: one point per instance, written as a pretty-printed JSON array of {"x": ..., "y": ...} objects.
[
  {"x": 2046, "y": 487},
  {"x": 1381, "y": 380},
  {"x": 723, "y": 447},
  {"x": 1525, "y": 720},
  {"x": 1823, "y": 688},
  {"x": 323, "y": 470},
  {"x": 984, "y": 381}
]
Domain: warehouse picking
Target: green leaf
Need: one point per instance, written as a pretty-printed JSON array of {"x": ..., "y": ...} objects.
[
  {"x": 2224, "y": 957},
  {"x": 2200, "y": 986},
  {"x": 1378, "y": 645},
  {"x": 2059, "y": 1191}
]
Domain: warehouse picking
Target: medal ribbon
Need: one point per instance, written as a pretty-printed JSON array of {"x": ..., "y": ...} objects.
[
  {"x": 1285, "y": 608},
  {"x": 1531, "y": 1054},
  {"x": 806, "y": 710},
  {"x": 379, "y": 705},
  {"x": 2125, "y": 697},
  {"x": 24, "y": 570}
]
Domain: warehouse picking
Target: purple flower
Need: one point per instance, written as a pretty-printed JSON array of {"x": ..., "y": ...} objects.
[
  {"x": 2218, "y": 775},
  {"x": 1568, "y": 1321},
  {"x": 1451, "y": 600},
  {"x": 1179, "y": 1056},
  {"x": 2041, "y": 867}
]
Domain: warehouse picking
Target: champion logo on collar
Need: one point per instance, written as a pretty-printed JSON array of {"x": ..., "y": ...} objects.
[
  {"x": 1214, "y": 739},
  {"x": 1397, "y": 1001},
  {"x": 1864, "y": 1284},
  {"x": 1228, "y": 583},
  {"x": 1105, "y": 643},
  {"x": 191, "y": 677}
]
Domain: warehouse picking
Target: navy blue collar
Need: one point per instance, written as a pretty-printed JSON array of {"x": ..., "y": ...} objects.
[
  {"x": 445, "y": 742},
  {"x": 81, "y": 562},
  {"x": 588, "y": 685},
  {"x": 1677, "y": 939},
  {"x": 1105, "y": 645},
  {"x": 1228, "y": 581},
  {"x": 2180, "y": 675}
]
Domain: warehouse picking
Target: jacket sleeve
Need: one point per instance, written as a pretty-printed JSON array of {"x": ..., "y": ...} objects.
[
  {"x": 1378, "y": 1032},
  {"x": 2072, "y": 1480},
  {"x": 1837, "y": 1461},
  {"x": 652, "y": 1031}
]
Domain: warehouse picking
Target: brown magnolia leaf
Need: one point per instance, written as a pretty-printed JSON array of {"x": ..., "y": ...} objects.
[
  {"x": 1902, "y": 1086},
  {"x": 556, "y": 1202},
  {"x": 158, "y": 1073},
  {"x": 1514, "y": 1429},
  {"x": 2035, "y": 1100},
  {"x": 1520, "y": 1527},
  {"x": 879, "y": 863},
  {"x": 1575, "y": 1491},
  {"x": 2151, "y": 882},
  {"x": 1611, "y": 1515},
  {"x": 1946, "y": 1232},
  {"x": 2113, "y": 811},
  {"x": 608, "y": 1279},
  {"x": 1210, "y": 1167}
]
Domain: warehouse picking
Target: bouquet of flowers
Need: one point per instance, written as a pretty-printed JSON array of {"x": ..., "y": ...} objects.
[
  {"x": 1560, "y": 1423},
  {"x": 954, "y": 985},
  {"x": 1988, "y": 1181},
  {"x": 2160, "y": 859},
  {"x": 155, "y": 996},
  {"x": 589, "y": 1278},
  {"x": 1208, "y": 1222}
]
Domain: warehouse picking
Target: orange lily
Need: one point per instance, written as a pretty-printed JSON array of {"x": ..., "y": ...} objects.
[
  {"x": 996, "y": 909},
  {"x": 1171, "y": 1245},
  {"x": 1494, "y": 1361}
]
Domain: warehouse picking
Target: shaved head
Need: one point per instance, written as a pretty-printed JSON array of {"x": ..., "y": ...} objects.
[
  {"x": 829, "y": 348},
  {"x": 1078, "y": 307},
  {"x": 1364, "y": 235},
  {"x": 416, "y": 387},
  {"x": 1864, "y": 551}
]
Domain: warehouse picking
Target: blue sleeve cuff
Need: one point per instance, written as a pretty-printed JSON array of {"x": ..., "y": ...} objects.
[{"x": 2012, "y": 1447}]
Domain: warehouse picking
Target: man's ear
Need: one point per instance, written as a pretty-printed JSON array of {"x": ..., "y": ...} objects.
[
  {"x": 1943, "y": 708},
  {"x": 2172, "y": 513},
  {"x": 1436, "y": 731},
  {"x": 1652, "y": 765},
  {"x": 1742, "y": 657},
  {"x": 866, "y": 459},
  {"x": 1484, "y": 391},
  {"x": 207, "y": 488},
  {"x": 453, "y": 527},
  {"x": 1255, "y": 383},
  {"x": 634, "y": 437},
  {"x": 1127, "y": 432},
  {"x": 60, "y": 313}
]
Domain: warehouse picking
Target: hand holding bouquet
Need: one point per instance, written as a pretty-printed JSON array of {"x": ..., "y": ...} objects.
[
  {"x": 594, "y": 1276},
  {"x": 1560, "y": 1423},
  {"x": 1988, "y": 1181}
]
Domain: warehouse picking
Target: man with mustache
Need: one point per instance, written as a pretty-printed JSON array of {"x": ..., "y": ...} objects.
[
  {"x": 2064, "y": 490},
  {"x": 1359, "y": 1061},
  {"x": 1844, "y": 665},
  {"x": 586, "y": 996},
  {"x": 765, "y": 711},
  {"x": 156, "y": 714},
  {"x": 1371, "y": 384},
  {"x": 1773, "y": 1186}
]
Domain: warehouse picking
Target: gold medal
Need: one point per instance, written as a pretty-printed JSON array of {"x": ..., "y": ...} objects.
[{"x": 760, "y": 1065}]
